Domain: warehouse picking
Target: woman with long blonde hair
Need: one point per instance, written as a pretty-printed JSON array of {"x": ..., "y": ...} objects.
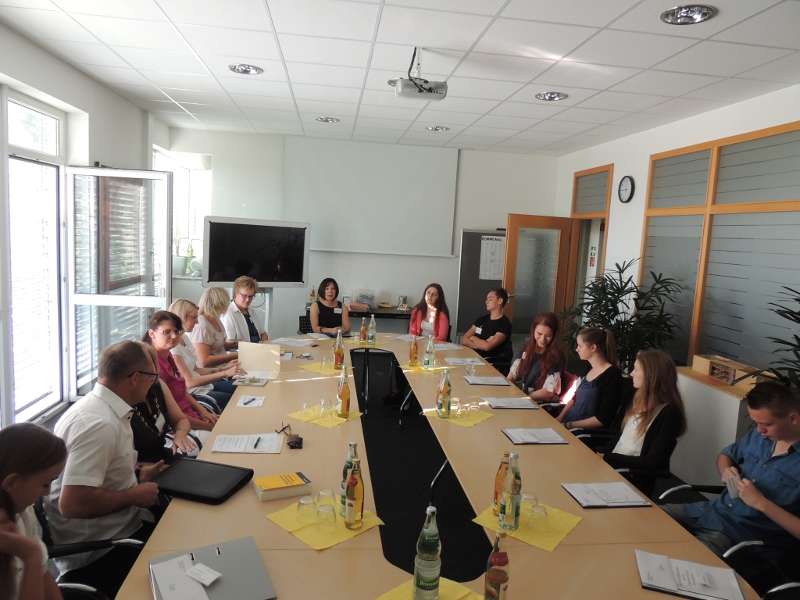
[{"x": 208, "y": 335}]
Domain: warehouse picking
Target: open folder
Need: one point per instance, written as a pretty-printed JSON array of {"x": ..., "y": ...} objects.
[
  {"x": 260, "y": 360},
  {"x": 612, "y": 494},
  {"x": 687, "y": 579},
  {"x": 239, "y": 563}
]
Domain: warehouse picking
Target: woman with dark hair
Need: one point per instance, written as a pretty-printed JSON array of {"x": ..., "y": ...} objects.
[
  {"x": 431, "y": 315},
  {"x": 597, "y": 397},
  {"x": 327, "y": 313},
  {"x": 652, "y": 421},
  {"x": 490, "y": 335},
  {"x": 163, "y": 332},
  {"x": 30, "y": 459},
  {"x": 538, "y": 372}
]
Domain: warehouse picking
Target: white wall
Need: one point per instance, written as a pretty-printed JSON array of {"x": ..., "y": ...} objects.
[{"x": 631, "y": 156}]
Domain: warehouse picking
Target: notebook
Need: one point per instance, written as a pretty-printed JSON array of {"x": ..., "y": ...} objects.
[
  {"x": 614, "y": 494},
  {"x": 545, "y": 435},
  {"x": 687, "y": 579},
  {"x": 202, "y": 481}
]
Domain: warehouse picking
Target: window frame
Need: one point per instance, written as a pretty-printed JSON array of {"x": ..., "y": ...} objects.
[{"x": 709, "y": 209}]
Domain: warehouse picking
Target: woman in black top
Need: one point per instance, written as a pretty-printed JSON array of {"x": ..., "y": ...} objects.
[
  {"x": 490, "y": 335},
  {"x": 652, "y": 421},
  {"x": 540, "y": 359},
  {"x": 327, "y": 314},
  {"x": 597, "y": 399}
]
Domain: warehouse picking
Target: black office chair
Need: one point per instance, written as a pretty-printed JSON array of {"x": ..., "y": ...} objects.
[
  {"x": 303, "y": 324},
  {"x": 774, "y": 575}
]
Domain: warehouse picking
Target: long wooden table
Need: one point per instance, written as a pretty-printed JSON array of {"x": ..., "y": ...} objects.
[{"x": 596, "y": 560}]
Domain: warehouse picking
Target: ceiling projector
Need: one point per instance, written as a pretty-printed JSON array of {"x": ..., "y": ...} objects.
[{"x": 417, "y": 86}]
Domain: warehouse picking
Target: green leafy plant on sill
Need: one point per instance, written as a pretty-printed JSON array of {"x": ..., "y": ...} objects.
[
  {"x": 635, "y": 314},
  {"x": 787, "y": 368}
]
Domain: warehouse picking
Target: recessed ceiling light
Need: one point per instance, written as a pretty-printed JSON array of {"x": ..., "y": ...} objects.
[
  {"x": 245, "y": 69},
  {"x": 437, "y": 128},
  {"x": 328, "y": 120},
  {"x": 691, "y": 14},
  {"x": 551, "y": 96}
]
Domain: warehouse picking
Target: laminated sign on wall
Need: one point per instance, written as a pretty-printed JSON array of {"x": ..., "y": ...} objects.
[{"x": 493, "y": 249}]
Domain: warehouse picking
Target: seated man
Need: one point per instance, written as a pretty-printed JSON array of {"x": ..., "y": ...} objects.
[
  {"x": 243, "y": 324},
  {"x": 764, "y": 469},
  {"x": 97, "y": 496}
]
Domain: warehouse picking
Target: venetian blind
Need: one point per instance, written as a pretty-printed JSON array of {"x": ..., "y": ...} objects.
[
  {"x": 591, "y": 192},
  {"x": 680, "y": 180}
]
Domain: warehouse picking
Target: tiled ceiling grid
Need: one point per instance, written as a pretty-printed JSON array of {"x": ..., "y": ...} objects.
[{"x": 624, "y": 70}]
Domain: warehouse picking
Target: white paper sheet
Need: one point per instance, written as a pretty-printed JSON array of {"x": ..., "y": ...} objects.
[
  {"x": 493, "y": 249},
  {"x": 257, "y": 443},
  {"x": 486, "y": 380},
  {"x": 317, "y": 336},
  {"x": 442, "y": 346},
  {"x": 523, "y": 402},
  {"x": 463, "y": 362},
  {"x": 173, "y": 582},
  {"x": 250, "y": 401},
  {"x": 610, "y": 494},
  {"x": 295, "y": 342},
  {"x": 686, "y": 578},
  {"x": 545, "y": 435}
]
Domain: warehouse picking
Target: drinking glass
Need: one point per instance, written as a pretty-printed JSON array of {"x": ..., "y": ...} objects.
[
  {"x": 325, "y": 361},
  {"x": 306, "y": 510},
  {"x": 455, "y": 406},
  {"x": 471, "y": 370},
  {"x": 533, "y": 513},
  {"x": 326, "y": 517},
  {"x": 325, "y": 496},
  {"x": 324, "y": 407}
]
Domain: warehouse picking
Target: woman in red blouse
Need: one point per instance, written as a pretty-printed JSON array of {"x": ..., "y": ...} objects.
[{"x": 431, "y": 316}]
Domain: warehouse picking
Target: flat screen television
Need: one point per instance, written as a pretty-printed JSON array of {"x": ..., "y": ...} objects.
[{"x": 275, "y": 253}]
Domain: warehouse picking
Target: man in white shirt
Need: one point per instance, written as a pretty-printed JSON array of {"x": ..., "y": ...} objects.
[
  {"x": 101, "y": 494},
  {"x": 243, "y": 324}
]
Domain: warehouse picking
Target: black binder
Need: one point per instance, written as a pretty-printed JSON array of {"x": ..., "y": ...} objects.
[{"x": 202, "y": 481}]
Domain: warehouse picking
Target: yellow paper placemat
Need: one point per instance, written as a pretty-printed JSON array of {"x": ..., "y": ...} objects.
[
  {"x": 330, "y": 420},
  {"x": 317, "y": 536},
  {"x": 466, "y": 418},
  {"x": 448, "y": 590},
  {"x": 316, "y": 367},
  {"x": 546, "y": 533},
  {"x": 420, "y": 369}
]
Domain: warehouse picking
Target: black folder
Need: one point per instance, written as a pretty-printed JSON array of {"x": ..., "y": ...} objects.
[{"x": 202, "y": 481}]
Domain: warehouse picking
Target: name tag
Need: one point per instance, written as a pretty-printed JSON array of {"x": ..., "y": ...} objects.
[
  {"x": 478, "y": 330},
  {"x": 337, "y": 311}
]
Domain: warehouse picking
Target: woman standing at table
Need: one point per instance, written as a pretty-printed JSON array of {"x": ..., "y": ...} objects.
[
  {"x": 490, "y": 335},
  {"x": 431, "y": 315},
  {"x": 652, "y": 421},
  {"x": 541, "y": 363},
  {"x": 328, "y": 314},
  {"x": 597, "y": 398},
  {"x": 208, "y": 335}
]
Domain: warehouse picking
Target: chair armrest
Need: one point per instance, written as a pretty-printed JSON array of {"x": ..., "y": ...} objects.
[
  {"x": 59, "y": 550},
  {"x": 736, "y": 547},
  {"x": 549, "y": 404},
  {"x": 707, "y": 489},
  {"x": 781, "y": 588}
]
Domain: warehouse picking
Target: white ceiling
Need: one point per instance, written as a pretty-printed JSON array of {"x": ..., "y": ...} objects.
[{"x": 623, "y": 69}]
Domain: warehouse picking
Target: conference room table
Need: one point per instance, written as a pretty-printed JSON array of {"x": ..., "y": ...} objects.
[{"x": 595, "y": 560}]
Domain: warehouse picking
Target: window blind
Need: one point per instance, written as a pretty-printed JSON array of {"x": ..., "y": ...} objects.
[
  {"x": 680, "y": 180},
  {"x": 591, "y": 192},
  {"x": 752, "y": 256}
]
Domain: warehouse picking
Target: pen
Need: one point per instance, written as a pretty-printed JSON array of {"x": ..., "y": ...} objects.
[
  {"x": 258, "y": 439},
  {"x": 249, "y": 400}
]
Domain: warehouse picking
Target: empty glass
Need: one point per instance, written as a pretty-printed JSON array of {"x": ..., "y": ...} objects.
[
  {"x": 306, "y": 510},
  {"x": 471, "y": 370},
  {"x": 324, "y": 497},
  {"x": 326, "y": 517},
  {"x": 533, "y": 514}
]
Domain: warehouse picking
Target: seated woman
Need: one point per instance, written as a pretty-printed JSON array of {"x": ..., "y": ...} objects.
[
  {"x": 30, "y": 459},
  {"x": 490, "y": 335},
  {"x": 431, "y": 315},
  {"x": 210, "y": 381},
  {"x": 327, "y": 314},
  {"x": 163, "y": 333},
  {"x": 208, "y": 335},
  {"x": 541, "y": 363},
  {"x": 597, "y": 398},
  {"x": 242, "y": 322},
  {"x": 652, "y": 421}
]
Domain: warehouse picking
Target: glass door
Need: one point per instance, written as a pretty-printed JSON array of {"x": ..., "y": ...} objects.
[{"x": 119, "y": 272}]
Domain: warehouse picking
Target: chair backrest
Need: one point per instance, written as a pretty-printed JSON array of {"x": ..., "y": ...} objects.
[{"x": 303, "y": 324}]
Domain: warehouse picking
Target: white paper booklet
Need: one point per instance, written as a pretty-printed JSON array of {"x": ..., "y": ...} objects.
[
  {"x": 446, "y": 346},
  {"x": 317, "y": 336},
  {"x": 174, "y": 583},
  {"x": 295, "y": 342},
  {"x": 463, "y": 362},
  {"x": 407, "y": 337},
  {"x": 257, "y": 443},
  {"x": 687, "y": 579},
  {"x": 521, "y": 403},
  {"x": 545, "y": 435},
  {"x": 486, "y": 380},
  {"x": 614, "y": 494},
  {"x": 250, "y": 401}
]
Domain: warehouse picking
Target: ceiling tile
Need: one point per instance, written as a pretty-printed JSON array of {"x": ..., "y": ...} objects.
[
  {"x": 235, "y": 42},
  {"x": 83, "y": 53},
  {"x": 475, "y": 142},
  {"x": 322, "y": 106},
  {"x": 684, "y": 107},
  {"x": 503, "y": 122},
  {"x": 583, "y": 75},
  {"x": 538, "y": 136},
  {"x": 447, "y": 118},
  {"x": 326, "y": 74},
  {"x": 644, "y": 120},
  {"x": 577, "y": 12},
  {"x": 560, "y": 127},
  {"x": 527, "y": 110},
  {"x": 467, "y": 105},
  {"x": 324, "y": 18},
  {"x": 777, "y": 26},
  {"x": 720, "y": 58},
  {"x": 371, "y": 135},
  {"x": 479, "y": 7},
  {"x": 136, "y": 33},
  {"x": 277, "y": 128},
  {"x": 298, "y": 48},
  {"x": 249, "y": 14},
  {"x": 41, "y": 24},
  {"x": 574, "y": 95},
  {"x": 42, "y": 4},
  {"x": 136, "y": 91},
  {"x": 385, "y": 124},
  {"x": 220, "y": 66},
  {"x": 419, "y": 27},
  {"x": 389, "y": 112},
  {"x": 734, "y": 90},
  {"x": 664, "y": 83},
  {"x": 626, "y": 49},
  {"x": 264, "y": 115},
  {"x": 622, "y": 101},
  {"x": 388, "y": 98},
  {"x": 236, "y": 85},
  {"x": 507, "y": 68},
  {"x": 115, "y": 75},
  {"x": 398, "y": 57},
  {"x": 162, "y": 60},
  {"x": 481, "y": 88},
  {"x": 181, "y": 120},
  {"x": 588, "y": 115},
  {"x": 251, "y": 100},
  {"x": 786, "y": 69},
  {"x": 535, "y": 40},
  {"x": 323, "y": 92},
  {"x": 644, "y": 17},
  {"x": 489, "y": 132},
  {"x": 218, "y": 98},
  {"x": 184, "y": 81},
  {"x": 127, "y": 9}
]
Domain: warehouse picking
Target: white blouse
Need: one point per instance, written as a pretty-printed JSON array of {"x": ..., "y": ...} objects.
[
  {"x": 27, "y": 525},
  {"x": 631, "y": 441},
  {"x": 185, "y": 349}
]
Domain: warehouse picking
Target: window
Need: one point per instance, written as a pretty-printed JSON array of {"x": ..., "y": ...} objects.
[
  {"x": 591, "y": 201},
  {"x": 32, "y": 129}
]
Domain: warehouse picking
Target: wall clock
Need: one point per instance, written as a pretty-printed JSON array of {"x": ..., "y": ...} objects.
[{"x": 626, "y": 189}]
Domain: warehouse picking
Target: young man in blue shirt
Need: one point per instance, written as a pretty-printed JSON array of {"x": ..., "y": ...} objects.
[{"x": 763, "y": 470}]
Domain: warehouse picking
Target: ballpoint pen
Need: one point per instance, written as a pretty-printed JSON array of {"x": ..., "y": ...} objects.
[
  {"x": 258, "y": 440},
  {"x": 249, "y": 401}
]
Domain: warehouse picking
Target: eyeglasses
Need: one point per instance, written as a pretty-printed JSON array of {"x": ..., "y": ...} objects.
[
  {"x": 246, "y": 296},
  {"x": 152, "y": 375}
]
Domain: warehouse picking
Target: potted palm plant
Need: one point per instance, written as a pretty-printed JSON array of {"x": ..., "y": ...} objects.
[{"x": 787, "y": 368}]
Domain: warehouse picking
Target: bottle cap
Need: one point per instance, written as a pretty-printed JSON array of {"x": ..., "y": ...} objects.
[
  {"x": 499, "y": 559},
  {"x": 430, "y": 510}
]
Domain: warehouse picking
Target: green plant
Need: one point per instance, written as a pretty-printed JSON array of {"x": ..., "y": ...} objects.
[
  {"x": 787, "y": 369},
  {"x": 636, "y": 314}
]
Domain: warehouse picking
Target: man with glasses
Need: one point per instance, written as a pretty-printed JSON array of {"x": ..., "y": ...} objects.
[
  {"x": 102, "y": 492},
  {"x": 243, "y": 324}
]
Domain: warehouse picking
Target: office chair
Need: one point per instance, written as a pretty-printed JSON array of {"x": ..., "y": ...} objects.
[{"x": 303, "y": 324}]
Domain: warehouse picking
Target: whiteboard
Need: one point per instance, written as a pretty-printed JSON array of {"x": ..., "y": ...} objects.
[{"x": 363, "y": 197}]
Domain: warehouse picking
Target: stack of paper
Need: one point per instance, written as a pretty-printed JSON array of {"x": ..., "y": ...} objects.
[
  {"x": 294, "y": 342},
  {"x": 257, "y": 443},
  {"x": 687, "y": 579},
  {"x": 317, "y": 336},
  {"x": 463, "y": 362},
  {"x": 486, "y": 380},
  {"x": 521, "y": 403},
  {"x": 545, "y": 435},
  {"x": 616, "y": 494},
  {"x": 446, "y": 346}
]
